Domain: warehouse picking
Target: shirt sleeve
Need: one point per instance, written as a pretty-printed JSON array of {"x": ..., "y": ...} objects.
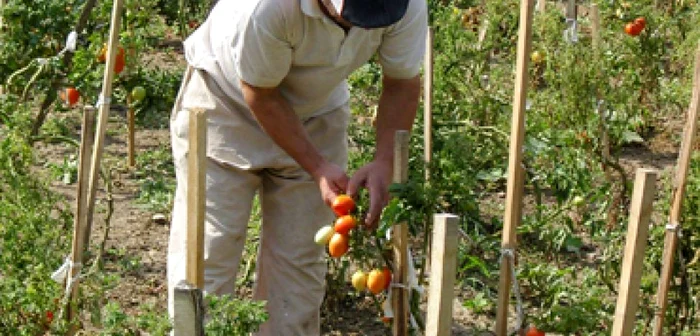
[
  {"x": 263, "y": 55},
  {"x": 403, "y": 46}
]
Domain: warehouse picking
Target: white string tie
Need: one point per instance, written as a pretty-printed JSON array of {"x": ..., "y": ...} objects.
[
  {"x": 674, "y": 227},
  {"x": 102, "y": 100},
  {"x": 571, "y": 33},
  {"x": 509, "y": 253}
]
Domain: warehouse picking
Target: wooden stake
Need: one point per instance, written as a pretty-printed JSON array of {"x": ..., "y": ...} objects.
[
  {"x": 428, "y": 103},
  {"x": 541, "y": 6},
  {"x": 594, "y": 15},
  {"x": 515, "y": 169},
  {"x": 196, "y": 196},
  {"x": 103, "y": 106},
  {"x": 189, "y": 298},
  {"x": 671, "y": 239},
  {"x": 633, "y": 260},
  {"x": 443, "y": 275},
  {"x": 2, "y": 25},
  {"x": 400, "y": 294},
  {"x": 87, "y": 139},
  {"x": 131, "y": 130}
]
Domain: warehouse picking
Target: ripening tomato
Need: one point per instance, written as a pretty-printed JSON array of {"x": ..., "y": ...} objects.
[
  {"x": 323, "y": 235},
  {"x": 376, "y": 282},
  {"x": 359, "y": 280},
  {"x": 342, "y": 205},
  {"x": 533, "y": 331},
  {"x": 344, "y": 224},
  {"x": 338, "y": 245},
  {"x": 633, "y": 29},
  {"x": 641, "y": 21}
]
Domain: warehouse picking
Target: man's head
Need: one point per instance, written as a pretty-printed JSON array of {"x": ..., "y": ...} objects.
[{"x": 367, "y": 13}]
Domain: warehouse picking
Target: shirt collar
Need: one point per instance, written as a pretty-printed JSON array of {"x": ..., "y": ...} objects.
[{"x": 311, "y": 8}]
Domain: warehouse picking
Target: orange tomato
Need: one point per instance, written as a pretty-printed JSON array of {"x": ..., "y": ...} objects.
[
  {"x": 376, "y": 282},
  {"x": 532, "y": 331},
  {"x": 338, "y": 245},
  {"x": 102, "y": 55},
  {"x": 344, "y": 224},
  {"x": 342, "y": 205}
]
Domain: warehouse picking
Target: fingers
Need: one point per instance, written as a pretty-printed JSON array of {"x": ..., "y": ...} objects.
[
  {"x": 355, "y": 183},
  {"x": 379, "y": 198}
]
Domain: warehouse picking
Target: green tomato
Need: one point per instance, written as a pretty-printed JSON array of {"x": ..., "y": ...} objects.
[{"x": 138, "y": 93}]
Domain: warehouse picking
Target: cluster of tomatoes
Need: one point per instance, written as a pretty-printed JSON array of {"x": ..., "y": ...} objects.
[
  {"x": 635, "y": 27},
  {"x": 71, "y": 95},
  {"x": 337, "y": 238}
]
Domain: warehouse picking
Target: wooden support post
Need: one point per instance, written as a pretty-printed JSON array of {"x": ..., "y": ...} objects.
[
  {"x": 515, "y": 169},
  {"x": 87, "y": 139},
  {"x": 400, "y": 294},
  {"x": 103, "y": 108},
  {"x": 571, "y": 10},
  {"x": 196, "y": 196},
  {"x": 594, "y": 15},
  {"x": 428, "y": 103},
  {"x": 443, "y": 275},
  {"x": 671, "y": 239},
  {"x": 131, "y": 130},
  {"x": 635, "y": 244},
  {"x": 189, "y": 298},
  {"x": 541, "y": 6},
  {"x": 2, "y": 26}
]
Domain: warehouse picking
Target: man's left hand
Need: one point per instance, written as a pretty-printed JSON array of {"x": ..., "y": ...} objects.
[{"x": 376, "y": 177}]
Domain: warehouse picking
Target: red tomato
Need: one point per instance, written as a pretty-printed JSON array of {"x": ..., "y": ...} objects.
[
  {"x": 120, "y": 61},
  {"x": 344, "y": 224},
  {"x": 387, "y": 277},
  {"x": 342, "y": 205},
  {"x": 338, "y": 245},
  {"x": 640, "y": 21},
  {"x": 49, "y": 316},
  {"x": 532, "y": 331},
  {"x": 70, "y": 96},
  {"x": 633, "y": 29}
]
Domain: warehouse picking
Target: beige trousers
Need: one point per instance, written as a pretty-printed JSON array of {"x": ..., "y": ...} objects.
[{"x": 243, "y": 161}]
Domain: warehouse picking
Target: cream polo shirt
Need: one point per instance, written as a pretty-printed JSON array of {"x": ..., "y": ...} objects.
[{"x": 293, "y": 45}]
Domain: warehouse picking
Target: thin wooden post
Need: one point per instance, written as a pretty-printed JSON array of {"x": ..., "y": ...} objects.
[
  {"x": 87, "y": 139},
  {"x": 541, "y": 6},
  {"x": 189, "y": 298},
  {"x": 635, "y": 245},
  {"x": 2, "y": 25},
  {"x": 196, "y": 196},
  {"x": 400, "y": 293},
  {"x": 594, "y": 15},
  {"x": 671, "y": 239},
  {"x": 131, "y": 130},
  {"x": 103, "y": 106},
  {"x": 515, "y": 169},
  {"x": 443, "y": 275},
  {"x": 428, "y": 103}
]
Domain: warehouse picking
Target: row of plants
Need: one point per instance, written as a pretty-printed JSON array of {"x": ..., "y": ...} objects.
[{"x": 577, "y": 195}]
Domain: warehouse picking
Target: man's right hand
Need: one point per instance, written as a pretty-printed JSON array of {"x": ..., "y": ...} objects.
[{"x": 332, "y": 181}]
